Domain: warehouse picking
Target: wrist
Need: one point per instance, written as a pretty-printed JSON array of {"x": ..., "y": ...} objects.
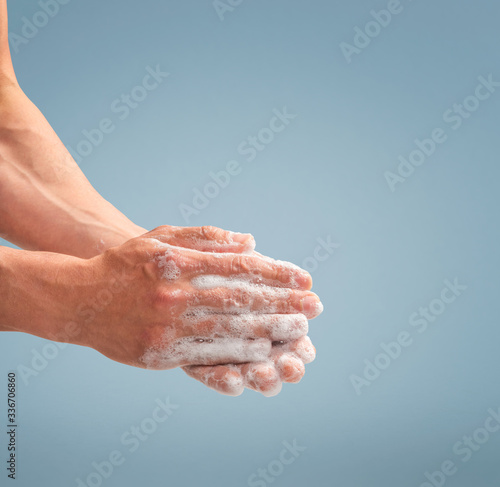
[
  {"x": 41, "y": 294},
  {"x": 114, "y": 236},
  {"x": 97, "y": 237}
]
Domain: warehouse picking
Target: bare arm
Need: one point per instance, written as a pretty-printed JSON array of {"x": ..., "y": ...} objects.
[
  {"x": 46, "y": 202},
  {"x": 40, "y": 292}
]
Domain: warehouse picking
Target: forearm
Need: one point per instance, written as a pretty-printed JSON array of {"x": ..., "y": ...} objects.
[
  {"x": 46, "y": 202},
  {"x": 40, "y": 294}
]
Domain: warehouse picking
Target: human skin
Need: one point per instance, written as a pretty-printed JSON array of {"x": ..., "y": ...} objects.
[
  {"x": 49, "y": 207},
  {"x": 135, "y": 304},
  {"x": 121, "y": 304}
]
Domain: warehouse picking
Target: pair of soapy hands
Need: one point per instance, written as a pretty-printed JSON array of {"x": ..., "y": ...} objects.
[{"x": 202, "y": 299}]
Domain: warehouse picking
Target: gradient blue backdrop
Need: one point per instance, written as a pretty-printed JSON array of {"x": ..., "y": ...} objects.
[{"x": 322, "y": 176}]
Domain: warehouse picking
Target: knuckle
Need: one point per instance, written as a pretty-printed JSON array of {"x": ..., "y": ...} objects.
[
  {"x": 242, "y": 298},
  {"x": 238, "y": 264},
  {"x": 161, "y": 298},
  {"x": 133, "y": 249},
  {"x": 281, "y": 274},
  {"x": 166, "y": 298},
  {"x": 254, "y": 266},
  {"x": 168, "y": 265},
  {"x": 162, "y": 230},
  {"x": 211, "y": 233}
]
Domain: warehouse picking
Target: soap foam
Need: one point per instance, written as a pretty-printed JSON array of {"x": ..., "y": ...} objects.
[
  {"x": 290, "y": 367},
  {"x": 263, "y": 378},
  {"x": 293, "y": 268},
  {"x": 246, "y": 295},
  {"x": 281, "y": 326},
  {"x": 191, "y": 350},
  {"x": 225, "y": 379},
  {"x": 251, "y": 276},
  {"x": 216, "y": 246},
  {"x": 165, "y": 261},
  {"x": 302, "y": 348}
]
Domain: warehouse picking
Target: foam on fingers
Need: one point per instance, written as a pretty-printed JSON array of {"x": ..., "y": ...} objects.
[
  {"x": 204, "y": 239},
  {"x": 301, "y": 279},
  {"x": 285, "y": 364},
  {"x": 290, "y": 367},
  {"x": 206, "y": 351},
  {"x": 212, "y": 239},
  {"x": 262, "y": 377},
  {"x": 225, "y": 379},
  {"x": 302, "y": 348},
  {"x": 247, "y": 325},
  {"x": 258, "y": 268},
  {"x": 264, "y": 300}
]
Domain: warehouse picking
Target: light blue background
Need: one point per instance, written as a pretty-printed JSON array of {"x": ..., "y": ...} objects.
[{"x": 322, "y": 176}]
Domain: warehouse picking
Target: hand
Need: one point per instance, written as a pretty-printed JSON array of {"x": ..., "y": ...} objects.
[
  {"x": 286, "y": 360},
  {"x": 181, "y": 307},
  {"x": 284, "y": 364}
]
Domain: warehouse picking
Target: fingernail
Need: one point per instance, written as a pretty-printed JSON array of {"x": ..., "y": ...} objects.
[{"x": 312, "y": 306}]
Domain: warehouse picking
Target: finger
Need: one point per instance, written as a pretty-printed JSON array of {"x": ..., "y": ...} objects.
[
  {"x": 225, "y": 379},
  {"x": 200, "y": 351},
  {"x": 305, "y": 282},
  {"x": 232, "y": 379},
  {"x": 273, "y": 327},
  {"x": 205, "y": 239},
  {"x": 253, "y": 268},
  {"x": 262, "y": 377},
  {"x": 288, "y": 360},
  {"x": 258, "y": 299},
  {"x": 301, "y": 348},
  {"x": 229, "y": 379},
  {"x": 289, "y": 366},
  {"x": 204, "y": 268}
]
